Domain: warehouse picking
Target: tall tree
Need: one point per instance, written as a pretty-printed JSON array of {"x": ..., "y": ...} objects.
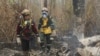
[{"x": 45, "y": 3}]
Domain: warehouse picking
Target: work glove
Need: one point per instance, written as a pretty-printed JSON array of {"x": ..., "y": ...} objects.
[
  {"x": 38, "y": 38},
  {"x": 54, "y": 34},
  {"x": 52, "y": 38},
  {"x": 18, "y": 40}
]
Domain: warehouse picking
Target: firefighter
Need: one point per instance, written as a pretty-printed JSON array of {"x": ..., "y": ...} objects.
[
  {"x": 26, "y": 29},
  {"x": 45, "y": 28}
]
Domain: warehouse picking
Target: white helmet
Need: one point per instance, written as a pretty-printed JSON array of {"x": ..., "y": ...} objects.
[
  {"x": 26, "y": 12},
  {"x": 44, "y": 9}
]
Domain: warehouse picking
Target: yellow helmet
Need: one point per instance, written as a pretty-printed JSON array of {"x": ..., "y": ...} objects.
[
  {"x": 44, "y": 9},
  {"x": 26, "y": 12}
]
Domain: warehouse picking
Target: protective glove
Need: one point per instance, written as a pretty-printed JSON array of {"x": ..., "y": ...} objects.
[
  {"x": 38, "y": 38},
  {"x": 51, "y": 38},
  {"x": 18, "y": 40},
  {"x": 54, "y": 33}
]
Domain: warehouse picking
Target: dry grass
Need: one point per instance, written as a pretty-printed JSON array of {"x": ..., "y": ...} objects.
[
  {"x": 6, "y": 21},
  {"x": 8, "y": 13}
]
